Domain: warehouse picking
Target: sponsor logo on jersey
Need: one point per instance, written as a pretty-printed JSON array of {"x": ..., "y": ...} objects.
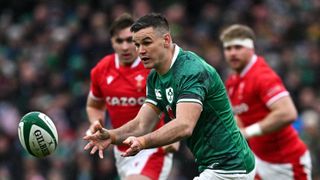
[
  {"x": 158, "y": 94},
  {"x": 169, "y": 94},
  {"x": 125, "y": 101},
  {"x": 241, "y": 108},
  {"x": 109, "y": 79}
]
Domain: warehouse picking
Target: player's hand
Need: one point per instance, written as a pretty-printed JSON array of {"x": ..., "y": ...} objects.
[
  {"x": 171, "y": 148},
  {"x": 135, "y": 146},
  {"x": 91, "y": 129},
  {"x": 99, "y": 140}
]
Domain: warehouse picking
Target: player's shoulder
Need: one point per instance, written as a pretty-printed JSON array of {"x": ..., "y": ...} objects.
[
  {"x": 189, "y": 62},
  {"x": 262, "y": 65},
  {"x": 263, "y": 70},
  {"x": 105, "y": 62}
]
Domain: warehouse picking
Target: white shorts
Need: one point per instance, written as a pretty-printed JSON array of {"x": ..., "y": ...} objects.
[
  {"x": 154, "y": 163},
  {"x": 290, "y": 171},
  {"x": 223, "y": 175}
]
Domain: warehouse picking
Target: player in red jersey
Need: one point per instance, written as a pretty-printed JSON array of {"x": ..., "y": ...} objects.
[
  {"x": 118, "y": 84},
  {"x": 264, "y": 109}
]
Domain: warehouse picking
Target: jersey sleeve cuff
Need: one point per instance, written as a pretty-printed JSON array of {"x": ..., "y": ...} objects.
[
  {"x": 190, "y": 98},
  {"x": 277, "y": 97},
  {"x": 94, "y": 97}
]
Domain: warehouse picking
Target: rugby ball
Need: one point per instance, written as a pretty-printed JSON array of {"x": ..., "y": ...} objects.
[{"x": 38, "y": 134}]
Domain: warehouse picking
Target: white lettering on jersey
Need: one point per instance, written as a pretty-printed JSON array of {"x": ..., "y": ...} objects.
[
  {"x": 158, "y": 94},
  {"x": 124, "y": 101},
  {"x": 241, "y": 108}
]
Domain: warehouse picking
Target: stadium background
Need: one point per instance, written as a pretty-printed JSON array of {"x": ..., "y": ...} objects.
[{"x": 48, "y": 47}]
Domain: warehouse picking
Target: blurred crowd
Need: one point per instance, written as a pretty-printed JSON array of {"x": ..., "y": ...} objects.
[{"x": 47, "y": 49}]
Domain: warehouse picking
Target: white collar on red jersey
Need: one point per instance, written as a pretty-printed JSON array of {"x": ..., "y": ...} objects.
[
  {"x": 249, "y": 65},
  {"x": 133, "y": 65},
  {"x": 175, "y": 54}
]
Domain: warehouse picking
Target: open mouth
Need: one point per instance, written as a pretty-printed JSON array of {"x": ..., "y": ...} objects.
[{"x": 145, "y": 58}]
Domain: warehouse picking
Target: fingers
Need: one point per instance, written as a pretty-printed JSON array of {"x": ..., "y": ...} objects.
[
  {"x": 130, "y": 152},
  {"x": 129, "y": 140},
  {"x": 93, "y": 150},
  {"x": 99, "y": 135},
  {"x": 101, "y": 153},
  {"x": 88, "y": 146},
  {"x": 97, "y": 126},
  {"x": 134, "y": 148}
]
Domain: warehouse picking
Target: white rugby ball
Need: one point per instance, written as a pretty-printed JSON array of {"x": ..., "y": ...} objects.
[{"x": 38, "y": 134}]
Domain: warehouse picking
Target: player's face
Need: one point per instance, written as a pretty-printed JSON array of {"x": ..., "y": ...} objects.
[
  {"x": 124, "y": 47},
  {"x": 238, "y": 56},
  {"x": 151, "y": 47}
]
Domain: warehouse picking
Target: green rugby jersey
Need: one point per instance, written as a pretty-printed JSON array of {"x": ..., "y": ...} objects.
[{"x": 216, "y": 142}]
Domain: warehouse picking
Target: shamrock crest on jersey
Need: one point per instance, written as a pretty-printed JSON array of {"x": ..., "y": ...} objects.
[{"x": 169, "y": 94}]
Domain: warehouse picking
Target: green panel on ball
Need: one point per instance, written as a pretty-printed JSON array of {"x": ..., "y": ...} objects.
[{"x": 33, "y": 118}]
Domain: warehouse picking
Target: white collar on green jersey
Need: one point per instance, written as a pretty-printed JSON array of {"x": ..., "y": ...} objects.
[
  {"x": 175, "y": 54},
  {"x": 249, "y": 65},
  {"x": 133, "y": 65}
]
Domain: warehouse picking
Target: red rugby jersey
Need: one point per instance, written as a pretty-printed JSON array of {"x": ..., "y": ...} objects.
[
  {"x": 122, "y": 88},
  {"x": 251, "y": 92}
]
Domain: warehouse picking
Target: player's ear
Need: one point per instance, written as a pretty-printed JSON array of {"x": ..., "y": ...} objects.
[{"x": 167, "y": 40}]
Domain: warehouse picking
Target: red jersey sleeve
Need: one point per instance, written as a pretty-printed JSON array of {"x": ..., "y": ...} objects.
[{"x": 270, "y": 87}]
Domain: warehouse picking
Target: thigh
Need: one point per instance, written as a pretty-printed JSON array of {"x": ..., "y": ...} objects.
[{"x": 152, "y": 163}]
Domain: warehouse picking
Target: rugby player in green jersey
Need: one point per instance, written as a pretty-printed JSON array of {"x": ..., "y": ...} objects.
[{"x": 192, "y": 94}]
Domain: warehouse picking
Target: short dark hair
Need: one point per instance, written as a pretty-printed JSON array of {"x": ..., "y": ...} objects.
[
  {"x": 155, "y": 20},
  {"x": 120, "y": 23}
]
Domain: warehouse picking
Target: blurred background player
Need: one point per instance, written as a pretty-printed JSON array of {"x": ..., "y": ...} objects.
[
  {"x": 118, "y": 84},
  {"x": 264, "y": 109}
]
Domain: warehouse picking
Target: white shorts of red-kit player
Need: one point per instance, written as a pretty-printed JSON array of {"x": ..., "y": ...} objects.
[
  {"x": 154, "y": 163},
  {"x": 299, "y": 170}
]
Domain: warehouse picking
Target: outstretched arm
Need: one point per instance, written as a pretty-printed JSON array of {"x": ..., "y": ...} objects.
[
  {"x": 187, "y": 115},
  {"x": 101, "y": 138},
  {"x": 143, "y": 123}
]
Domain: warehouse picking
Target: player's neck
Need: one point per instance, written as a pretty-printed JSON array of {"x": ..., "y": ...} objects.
[{"x": 165, "y": 66}]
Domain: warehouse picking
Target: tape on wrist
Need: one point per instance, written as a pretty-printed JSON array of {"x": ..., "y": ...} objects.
[{"x": 253, "y": 130}]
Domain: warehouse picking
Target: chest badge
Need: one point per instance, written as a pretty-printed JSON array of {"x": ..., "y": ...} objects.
[
  {"x": 139, "y": 78},
  {"x": 109, "y": 79},
  {"x": 169, "y": 94}
]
